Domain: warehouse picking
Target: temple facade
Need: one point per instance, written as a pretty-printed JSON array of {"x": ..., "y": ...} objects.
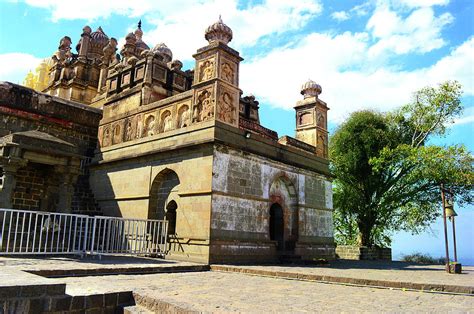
[{"x": 187, "y": 146}]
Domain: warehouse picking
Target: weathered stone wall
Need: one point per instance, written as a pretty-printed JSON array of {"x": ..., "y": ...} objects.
[
  {"x": 353, "y": 252},
  {"x": 245, "y": 186}
]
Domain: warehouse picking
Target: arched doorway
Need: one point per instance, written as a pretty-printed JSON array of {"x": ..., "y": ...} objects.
[
  {"x": 171, "y": 217},
  {"x": 283, "y": 212},
  {"x": 164, "y": 189},
  {"x": 277, "y": 225}
]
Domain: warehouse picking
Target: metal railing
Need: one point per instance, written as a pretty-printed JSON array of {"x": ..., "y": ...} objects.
[{"x": 32, "y": 232}]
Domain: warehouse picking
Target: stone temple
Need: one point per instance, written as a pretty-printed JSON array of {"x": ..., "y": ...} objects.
[{"x": 132, "y": 134}]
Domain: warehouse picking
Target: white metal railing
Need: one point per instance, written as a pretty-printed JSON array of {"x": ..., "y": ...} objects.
[{"x": 32, "y": 232}]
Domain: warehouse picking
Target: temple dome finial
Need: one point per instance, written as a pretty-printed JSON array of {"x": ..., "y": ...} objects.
[
  {"x": 218, "y": 32},
  {"x": 310, "y": 89}
]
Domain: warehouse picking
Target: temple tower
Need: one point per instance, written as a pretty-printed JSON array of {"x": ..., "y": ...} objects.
[
  {"x": 216, "y": 78},
  {"x": 311, "y": 119}
]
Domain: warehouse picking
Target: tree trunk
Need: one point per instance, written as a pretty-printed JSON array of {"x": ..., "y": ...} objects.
[{"x": 364, "y": 238}]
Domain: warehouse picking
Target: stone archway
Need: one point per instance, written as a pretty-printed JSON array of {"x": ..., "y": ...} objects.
[
  {"x": 283, "y": 196},
  {"x": 163, "y": 189}
]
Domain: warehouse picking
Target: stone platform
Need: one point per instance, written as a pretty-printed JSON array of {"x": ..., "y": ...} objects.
[{"x": 155, "y": 285}]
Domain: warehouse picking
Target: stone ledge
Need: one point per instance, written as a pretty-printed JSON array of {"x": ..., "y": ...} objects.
[
  {"x": 426, "y": 287},
  {"x": 55, "y": 273}
]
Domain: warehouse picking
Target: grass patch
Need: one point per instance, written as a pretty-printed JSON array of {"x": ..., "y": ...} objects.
[{"x": 420, "y": 258}]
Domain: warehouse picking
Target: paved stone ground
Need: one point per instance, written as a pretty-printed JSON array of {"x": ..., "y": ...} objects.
[
  {"x": 232, "y": 292},
  {"x": 229, "y": 292}
]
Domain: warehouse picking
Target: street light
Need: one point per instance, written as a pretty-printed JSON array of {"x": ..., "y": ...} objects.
[{"x": 447, "y": 198}]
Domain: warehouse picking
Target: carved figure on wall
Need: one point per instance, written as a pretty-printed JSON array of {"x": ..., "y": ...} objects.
[
  {"x": 207, "y": 112},
  {"x": 117, "y": 138},
  {"x": 227, "y": 109},
  {"x": 139, "y": 127},
  {"x": 183, "y": 116},
  {"x": 149, "y": 129},
  {"x": 129, "y": 130},
  {"x": 106, "y": 137},
  {"x": 227, "y": 73},
  {"x": 322, "y": 147},
  {"x": 64, "y": 51},
  {"x": 321, "y": 120},
  {"x": 206, "y": 71},
  {"x": 166, "y": 121}
]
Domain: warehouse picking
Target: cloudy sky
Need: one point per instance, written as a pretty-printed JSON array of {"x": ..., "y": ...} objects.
[{"x": 365, "y": 54}]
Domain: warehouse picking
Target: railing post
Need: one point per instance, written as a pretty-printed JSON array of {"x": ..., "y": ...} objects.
[
  {"x": 93, "y": 235},
  {"x": 84, "y": 247}
]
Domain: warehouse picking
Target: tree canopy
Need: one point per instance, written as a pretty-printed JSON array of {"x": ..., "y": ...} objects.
[{"x": 388, "y": 176}]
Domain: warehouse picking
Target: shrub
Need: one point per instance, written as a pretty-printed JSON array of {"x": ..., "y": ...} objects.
[{"x": 421, "y": 258}]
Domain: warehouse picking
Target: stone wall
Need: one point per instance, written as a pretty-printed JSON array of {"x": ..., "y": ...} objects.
[
  {"x": 363, "y": 253},
  {"x": 32, "y": 182},
  {"x": 244, "y": 188},
  {"x": 143, "y": 186}
]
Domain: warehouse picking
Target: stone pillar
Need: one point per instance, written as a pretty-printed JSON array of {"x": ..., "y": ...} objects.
[
  {"x": 66, "y": 188},
  {"x": 9, "y": 184},
  {"x": 216, "y": 78},
  {"x": 311, "y": 119}
]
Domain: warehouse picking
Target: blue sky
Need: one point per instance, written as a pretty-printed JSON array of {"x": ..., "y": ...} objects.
[{"x": 365, "y": 54}]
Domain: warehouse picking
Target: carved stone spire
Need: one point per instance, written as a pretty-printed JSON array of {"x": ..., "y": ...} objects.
[{"x": 218, "y": 32}]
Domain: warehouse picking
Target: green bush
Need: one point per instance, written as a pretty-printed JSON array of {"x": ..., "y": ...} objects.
[{"x": 420, "y": 258}]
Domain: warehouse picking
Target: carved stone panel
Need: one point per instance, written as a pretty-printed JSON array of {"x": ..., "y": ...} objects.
[
  {"x": 139, "y": 126},
  {"x": 139, "y": 72},
  {"x": 166, "y": 120},
  {"x": 228, "y": 71},
  {"x": 149, "y": 125},
  {"x": 321, "y": 119},
  {"x": 184, "y": 116},
  {"x": 130, "y": 128},
  {"x": 106, "y": 136},
  {"x": 227, "y": 106},
  {"x": 117, "y": 133},
  {"x": 159, "y": 73},
  {"x": 305, "y": 118},
  {"x": 322, "y": 145},
  {"x": 204, "y": 101},
  {"x": 206, "y": 69}
]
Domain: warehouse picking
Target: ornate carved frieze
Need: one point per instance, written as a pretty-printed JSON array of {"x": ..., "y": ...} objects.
[
  {"x": 227, "y": 105},
  {"x": 206, "y": 69},
  {"x": 203, "y": 105},
  {"x": 228, "y": 71}
]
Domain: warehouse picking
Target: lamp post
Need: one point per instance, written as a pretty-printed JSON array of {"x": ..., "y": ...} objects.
[
  {"x": 443, "y": 201},
  {"x": 448, "y": 212}
]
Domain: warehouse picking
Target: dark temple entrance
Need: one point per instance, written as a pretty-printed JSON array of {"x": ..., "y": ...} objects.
[{"x": 277, "y": 225}]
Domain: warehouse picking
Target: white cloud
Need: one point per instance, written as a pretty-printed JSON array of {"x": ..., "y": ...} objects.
[
  {"x": 420, "y": 31},
  {"x": 338, "y": 63},
  {"x": 340, "y": 16},
  {"x": 15, "y": 66},
  {"x": 183, "y": 30},
  {"x": 467, "y": 118},
  {"x": 422, "y": 3},
  {"x": 181, "y": 23}
]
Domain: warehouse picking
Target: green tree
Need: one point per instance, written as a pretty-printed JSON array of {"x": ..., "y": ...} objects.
[{"x": 387, "y": 178}]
